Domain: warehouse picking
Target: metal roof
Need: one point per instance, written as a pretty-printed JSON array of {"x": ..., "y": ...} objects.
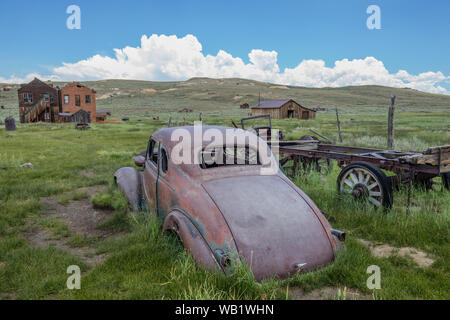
[
  {"x": 276, "y": 104},
  {"x": 108, "y": 112},
  {"x": 270, "y": 104},
  {"x": 64, "y": 114}
]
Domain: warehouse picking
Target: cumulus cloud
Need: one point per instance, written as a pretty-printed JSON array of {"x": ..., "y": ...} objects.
[{"x": 161, "y": 57}]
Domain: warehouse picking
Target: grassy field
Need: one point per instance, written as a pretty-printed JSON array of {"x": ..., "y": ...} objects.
[{"x": 127, "y": 257}]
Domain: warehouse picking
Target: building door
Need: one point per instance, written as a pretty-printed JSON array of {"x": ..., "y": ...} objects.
[
  {"x": 305, "y": 115},
  {"x": 290, "y": 113}
]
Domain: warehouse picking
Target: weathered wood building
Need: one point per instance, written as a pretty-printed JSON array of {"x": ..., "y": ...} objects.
[
  {"x": 40, "y": 101},
  {"x": 281, "y": 109}
]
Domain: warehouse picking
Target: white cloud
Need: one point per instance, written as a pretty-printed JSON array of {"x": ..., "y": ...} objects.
[{"x": 161, "y": 57}]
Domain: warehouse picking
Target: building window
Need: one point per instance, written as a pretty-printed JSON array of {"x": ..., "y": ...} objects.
[
  {"x": 27, "y": 97},
  {"x": 77, "y": 100},
  {"x": 46, "y": 97},
  {"x": 66, "y": 99},
  {"x": 88, "y": 99},
  {"x": 52, "y": 99}
]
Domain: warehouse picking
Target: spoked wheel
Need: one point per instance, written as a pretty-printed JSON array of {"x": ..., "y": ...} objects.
[{"x": 363, "y": 180}]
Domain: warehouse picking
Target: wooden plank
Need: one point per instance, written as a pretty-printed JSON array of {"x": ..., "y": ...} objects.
[
  {"x": 430, "y": 159},
  {"x": 320, "y": 135},
  {"x": 438, "y": 149},
  {"x": 299, "y": 147}
]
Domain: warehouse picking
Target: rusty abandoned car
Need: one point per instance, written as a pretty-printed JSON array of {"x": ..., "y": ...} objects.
[{"x": 225, "y": 210}]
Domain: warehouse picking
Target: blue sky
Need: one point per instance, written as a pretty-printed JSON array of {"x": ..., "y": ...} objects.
[{"x": 414, "y": 35}]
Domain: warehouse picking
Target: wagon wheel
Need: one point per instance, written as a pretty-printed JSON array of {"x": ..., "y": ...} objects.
[{"x": 365, "y": 181}]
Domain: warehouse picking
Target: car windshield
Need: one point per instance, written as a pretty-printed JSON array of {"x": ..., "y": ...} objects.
[{"x": 228, "y": 156}]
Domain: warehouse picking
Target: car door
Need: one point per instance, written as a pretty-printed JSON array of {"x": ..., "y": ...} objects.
[
  {"x": 164, "y": 191},
  {"x": 151, "y": 173}
]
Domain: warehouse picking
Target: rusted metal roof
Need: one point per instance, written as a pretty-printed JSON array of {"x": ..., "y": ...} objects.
[
  {"x": 270, "y": 104},
  {"x": 276, "y": 104}
]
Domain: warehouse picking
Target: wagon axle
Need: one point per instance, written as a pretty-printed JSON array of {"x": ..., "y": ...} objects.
[{"x": 360, "y": 191}]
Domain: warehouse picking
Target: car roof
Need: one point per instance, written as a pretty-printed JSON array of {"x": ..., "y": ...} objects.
[{"x": 165, "y": 135}]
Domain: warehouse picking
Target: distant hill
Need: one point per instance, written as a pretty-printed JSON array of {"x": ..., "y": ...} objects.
[{"x": 223, "y": 96}]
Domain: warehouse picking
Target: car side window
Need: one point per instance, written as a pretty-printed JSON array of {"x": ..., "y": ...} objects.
[
  {"x": 164, "y": 164},
  {"x": 152, "y": 152}
]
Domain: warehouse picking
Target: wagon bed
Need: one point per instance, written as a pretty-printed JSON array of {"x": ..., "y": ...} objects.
[
  {"x": 435, "y": 160},
  {"x": 361, "y": 175}
]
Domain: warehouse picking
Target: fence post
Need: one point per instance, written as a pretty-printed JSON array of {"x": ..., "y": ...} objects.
[
  {"x": 390, "y": 141},
  {"x": 338, "y": 125}
]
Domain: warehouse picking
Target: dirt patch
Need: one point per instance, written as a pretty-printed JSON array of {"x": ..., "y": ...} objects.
[
  {"x": 148, "y": 90},
  {"x": 169, "y": 90},
  {"x": 8, "y": 296},
  {"x": 88, "y": 173},
  {"x": 44, "y": 239},
  {"x": 278, "y": 87},
  {"x": 421, "y": 258},
  {"x": 328, "y": 293},
  {"x": 104, "y": 96},
  {"x": 81, "y": 218}
]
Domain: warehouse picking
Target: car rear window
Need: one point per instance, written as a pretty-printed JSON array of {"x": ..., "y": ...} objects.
[{"x": 228, "y": 156}]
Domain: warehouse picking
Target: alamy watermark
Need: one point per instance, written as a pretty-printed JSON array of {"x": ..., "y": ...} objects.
[
  {"x": 74, "y": 20},
  {"x": 374, "y": 281},
  {"x": 374, "y": 20},
  {"x": 74, "y": 280}
]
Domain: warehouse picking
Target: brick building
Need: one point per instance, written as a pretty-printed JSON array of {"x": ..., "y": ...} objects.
[
  {"x": 76, "y": 97},
  {"x": 40, "y": 101}
]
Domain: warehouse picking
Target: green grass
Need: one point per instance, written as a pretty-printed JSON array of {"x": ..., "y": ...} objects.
[
  {"x": 56, "y": 227},
  {"x": 80, "y": 240},
  {"x": 111, "y": 198},
  {"x": 65, "y": 198},
  {"x": 142, "y": 263}
]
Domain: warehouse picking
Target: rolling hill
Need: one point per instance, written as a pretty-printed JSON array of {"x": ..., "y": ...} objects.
[{"x": 223, "y": 97}]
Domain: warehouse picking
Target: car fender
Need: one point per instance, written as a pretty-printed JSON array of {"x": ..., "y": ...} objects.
[
  {"x": 192, "y": 239},
  {"x": 129, "y": 181}
]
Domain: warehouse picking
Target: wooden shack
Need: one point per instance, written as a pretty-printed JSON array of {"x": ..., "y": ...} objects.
[
  {"x": 281, "y": 109},
  {"x": 101, "y": 115}
]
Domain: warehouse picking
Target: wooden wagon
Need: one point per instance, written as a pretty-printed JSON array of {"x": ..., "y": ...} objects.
[{"x": 362, "y": 173}]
